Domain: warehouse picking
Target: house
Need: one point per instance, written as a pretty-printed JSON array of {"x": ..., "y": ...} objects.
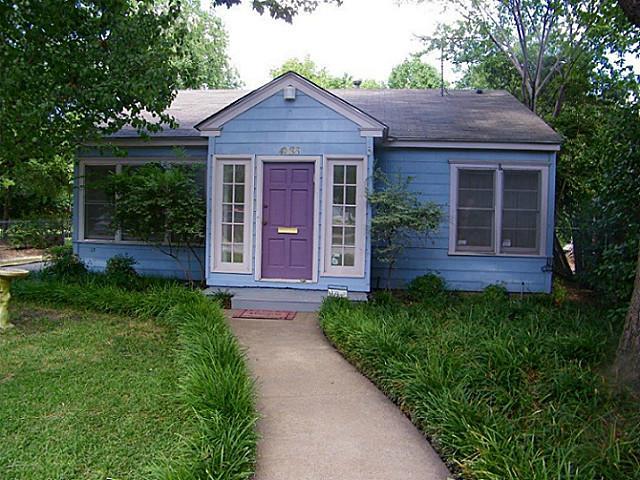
[{"x": 288, "y": 166}]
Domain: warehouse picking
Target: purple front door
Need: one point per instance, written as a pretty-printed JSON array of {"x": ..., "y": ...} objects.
[{"x": 287, "y": 221}]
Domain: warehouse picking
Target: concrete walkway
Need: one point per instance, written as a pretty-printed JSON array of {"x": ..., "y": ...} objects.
[{"x": 321, "y": 419}]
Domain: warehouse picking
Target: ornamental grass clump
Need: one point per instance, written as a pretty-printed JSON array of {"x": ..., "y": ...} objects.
[{"x": 505, "y": 388}]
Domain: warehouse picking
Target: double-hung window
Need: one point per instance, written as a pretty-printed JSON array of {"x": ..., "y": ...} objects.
[
  {"x": 498, "y": 209},
  {"x": 231, "y": 251},
  {"x": 345, "y": 202}
]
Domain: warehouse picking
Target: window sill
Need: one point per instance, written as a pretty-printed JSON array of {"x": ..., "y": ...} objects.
[
  {"x": 129, "y": 242},
  {"x": 489, "y": 254}
]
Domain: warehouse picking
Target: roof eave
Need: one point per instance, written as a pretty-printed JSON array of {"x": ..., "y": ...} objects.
[{"x": 548, "y": 146}]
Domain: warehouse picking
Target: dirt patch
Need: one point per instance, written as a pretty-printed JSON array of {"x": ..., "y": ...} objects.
[
  {"x": 9, "y": 253},
  {"x": 31, "y": 318}
]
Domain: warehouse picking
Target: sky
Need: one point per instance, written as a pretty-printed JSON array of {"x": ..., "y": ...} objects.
[{"x": 364, "y": 38}]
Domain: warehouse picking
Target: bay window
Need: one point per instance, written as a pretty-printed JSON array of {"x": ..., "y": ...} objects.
[{"x": 498, "y": 209}]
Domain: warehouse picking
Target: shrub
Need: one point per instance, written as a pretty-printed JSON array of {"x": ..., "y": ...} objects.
[
  {"x": 495, "y": 294},
  {"x": 62, "y": 262},
  {"x": 121, "y": 272},
  {"x": 426, "y": 287},
  {"x": 33, "y": 234},
  {"x": 384, "y": 298}
]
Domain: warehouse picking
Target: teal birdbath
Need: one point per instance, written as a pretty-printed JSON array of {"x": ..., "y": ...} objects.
[{"x": 6, "y": 277}]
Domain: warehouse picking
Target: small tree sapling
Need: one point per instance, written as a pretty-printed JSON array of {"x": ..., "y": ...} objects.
[{"x": 399, "y": 218}]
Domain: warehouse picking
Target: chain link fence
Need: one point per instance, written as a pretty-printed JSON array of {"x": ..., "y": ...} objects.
[{"x": 35, "y": 233}]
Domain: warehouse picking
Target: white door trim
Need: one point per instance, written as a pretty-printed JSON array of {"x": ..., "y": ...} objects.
[{"x": 260, "y": 161}]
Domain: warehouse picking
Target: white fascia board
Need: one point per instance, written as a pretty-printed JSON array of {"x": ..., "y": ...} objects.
[
  {"x": 547, "y": 147},
  {"x": 145, "y": 142}
]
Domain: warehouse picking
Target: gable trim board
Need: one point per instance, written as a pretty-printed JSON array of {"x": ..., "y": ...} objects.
[{"x": 369, "y": 126}]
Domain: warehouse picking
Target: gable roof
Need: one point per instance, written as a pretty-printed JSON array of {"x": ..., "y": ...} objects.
[
  {"x": 493, "y": 116},
  {"x": 369, "y": 126}
]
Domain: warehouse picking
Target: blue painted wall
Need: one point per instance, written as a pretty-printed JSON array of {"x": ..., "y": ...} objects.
[
  {"x": 150, "y": 260},
  {"x": 264, "y": 130},
  {"x": 430, "y": 170}
]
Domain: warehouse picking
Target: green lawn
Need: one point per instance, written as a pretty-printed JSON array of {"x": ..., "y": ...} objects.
[
  {"x": 86, "y": 395},
  {"x": 504, "y": 388}
]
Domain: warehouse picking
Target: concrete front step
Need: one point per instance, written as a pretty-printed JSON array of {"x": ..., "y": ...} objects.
[{"x": 268, "y": 298}]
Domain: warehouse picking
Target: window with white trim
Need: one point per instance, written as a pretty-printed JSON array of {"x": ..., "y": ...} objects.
[
  {"x": 346, "y": 209},
  {"x": 232, "y": 217},
  {"x": 498, "y": 209},
  {"x": 97, "y": 206}
]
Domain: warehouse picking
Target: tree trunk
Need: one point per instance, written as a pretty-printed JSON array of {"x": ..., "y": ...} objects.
[{"x": 627, "y": 365}]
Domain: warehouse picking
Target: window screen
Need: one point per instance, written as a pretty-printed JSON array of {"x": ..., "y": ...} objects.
[
  {"x": 520, "y": 211},
  {"x": 98, "y": 205},
  {"x": 475, "y": 210}
]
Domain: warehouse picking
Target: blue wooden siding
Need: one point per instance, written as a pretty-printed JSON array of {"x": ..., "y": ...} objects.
[
  {"x": 150, "y": 260},
  {"x": 430, "y": 170},
  {"x": 264, "y": 130}
]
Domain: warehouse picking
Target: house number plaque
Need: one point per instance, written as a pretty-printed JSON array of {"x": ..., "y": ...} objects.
[{"x": 290, "y": 150}]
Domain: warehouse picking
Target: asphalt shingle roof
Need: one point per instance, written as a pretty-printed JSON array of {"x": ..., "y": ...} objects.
[{"x": 411, "y": 115}]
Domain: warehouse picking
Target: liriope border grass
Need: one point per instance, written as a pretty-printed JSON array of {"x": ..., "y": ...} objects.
[
  {"x": 505, "y": 389},
  {"x": 215, "y": 385}
]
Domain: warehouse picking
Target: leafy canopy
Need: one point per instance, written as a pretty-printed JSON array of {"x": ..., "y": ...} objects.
[
  {"x": 320, "y": 76},
  {"x": 280, "y": 9},
  {"x": 544, "y": 42},
  {"x": 206, "y": 63},
  {"x": 414, "y": 73}
]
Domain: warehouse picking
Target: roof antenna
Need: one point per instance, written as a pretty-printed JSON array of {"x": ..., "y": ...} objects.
[
  {"x": 441, "y": 68},
  {"x": 357, "y": 83}
]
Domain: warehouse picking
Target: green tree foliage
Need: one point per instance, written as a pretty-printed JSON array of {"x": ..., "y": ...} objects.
[
  {"x": 398, "y": 218},
  {"x": 73, "y": 70},
  {"x": 280, "y": 9},
  {"x": 162, "y": 206},
  {"x": 206, "y": 63},
  {"x": 41, "y": 189},
  {"x": 599, "y": 186},
  {"x": 544, "y": 42},
  {"x": 414, "y": 73},
  {"x": 320, "y": 76}
]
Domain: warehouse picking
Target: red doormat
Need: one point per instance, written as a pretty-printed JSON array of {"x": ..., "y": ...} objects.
[{"x": 264, "y": 314}]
